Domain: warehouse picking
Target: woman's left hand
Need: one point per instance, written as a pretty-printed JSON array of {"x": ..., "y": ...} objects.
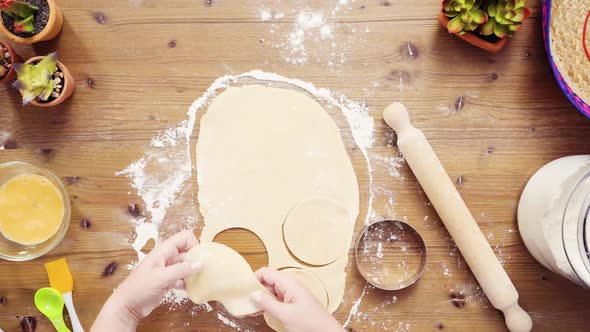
[{"x": 163, "y": 269}]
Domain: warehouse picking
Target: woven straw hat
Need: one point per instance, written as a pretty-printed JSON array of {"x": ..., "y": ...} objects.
[{"x": 566, "y": 29}]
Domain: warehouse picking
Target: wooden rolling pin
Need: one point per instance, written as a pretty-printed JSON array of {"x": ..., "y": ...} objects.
[{"x": 457, "y": 219}]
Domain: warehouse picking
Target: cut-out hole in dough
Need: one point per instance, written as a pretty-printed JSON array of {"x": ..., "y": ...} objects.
[
  {"x": 225, "y": 277},
  {"x": 309, "y": 281},
  {"x": 149, "y": 246},
  {"x": 317, "y": 231},
  {"x": 247, "y": 244}
]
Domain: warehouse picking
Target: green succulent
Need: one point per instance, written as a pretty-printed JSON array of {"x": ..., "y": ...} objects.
[
  {"x": 36, "y": 80},
  {"x": 506, "y": 17},
  {"x": 464, "y": 15}
]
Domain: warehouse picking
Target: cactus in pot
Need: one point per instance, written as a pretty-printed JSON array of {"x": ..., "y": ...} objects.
[
  {"x": 44, "y": 81},
  {"x": 486, "y": 24},
  {"x": 36, "y": 80},
  {"x": 505, "y": 17},
  {"x": 30, "y": 21},
  {"x": 464, "y": 15},
  {"x": 3, "y": 68},
  {"x": 8, "y": 58},
  {"x": 22, "y": 12}
]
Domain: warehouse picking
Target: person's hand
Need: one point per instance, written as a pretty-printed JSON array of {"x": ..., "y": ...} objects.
[
  {"x": 294, "y": 306},
  {"x": 164, "y": 268}
]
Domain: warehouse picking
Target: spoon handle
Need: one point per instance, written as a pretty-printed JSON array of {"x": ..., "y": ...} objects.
[
  {"x": 59, "y": 324},
  {"x": 72, "y": 312}
]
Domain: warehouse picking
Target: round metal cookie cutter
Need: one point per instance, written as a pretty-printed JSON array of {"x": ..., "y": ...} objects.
[{"x": 390, "y": 254}]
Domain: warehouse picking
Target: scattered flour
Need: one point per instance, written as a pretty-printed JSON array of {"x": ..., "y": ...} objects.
[
  {"x": 169, "y": 137},
  {"x": 391, "y": 163},
  {"x": 228, "y": 321},
  {"x": 310, "y": 37},
  {"x": 402, "y": 327},
  {"x": 355, "y": 306},
  {"x": 446, "y": 271},
  {"x": 388, "y": 323},
  {"x": 264, "y": 15},
  {"x": 177, "y": 297},
  {"x": 135, "y": 3}
]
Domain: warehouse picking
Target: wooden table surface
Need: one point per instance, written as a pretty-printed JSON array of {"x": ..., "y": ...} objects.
[{"x": 493, "y": 119}]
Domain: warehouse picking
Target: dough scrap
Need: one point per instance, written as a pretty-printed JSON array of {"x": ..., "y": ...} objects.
[
  {"x": 225, "y": 277},
  {"x": 309, "y": 281},
  {"x": 260, "y": 152},
  {"x": 317, "y": 231}
]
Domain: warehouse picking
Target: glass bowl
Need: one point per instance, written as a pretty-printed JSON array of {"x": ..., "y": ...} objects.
[{"x": 13, "y": 251}]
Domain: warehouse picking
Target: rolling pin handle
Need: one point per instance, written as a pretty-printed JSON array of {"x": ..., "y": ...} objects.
[
  {"x": 396, "y": 116},
  {"x": 517, "y": 320}
]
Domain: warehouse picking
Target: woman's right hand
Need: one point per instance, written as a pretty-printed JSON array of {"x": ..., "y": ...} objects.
[{"x": 294, "y": 306}]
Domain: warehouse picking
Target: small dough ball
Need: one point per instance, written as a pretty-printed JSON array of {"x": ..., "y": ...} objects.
[{"x": 317, "y": 231}]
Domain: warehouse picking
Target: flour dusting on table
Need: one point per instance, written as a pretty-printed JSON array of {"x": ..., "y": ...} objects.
[{"x": 308, "y": 35}]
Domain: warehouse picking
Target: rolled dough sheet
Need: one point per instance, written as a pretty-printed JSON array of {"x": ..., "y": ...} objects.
[
  {"x": 225, "y": 277},
  {"x": 317, "y": 231},
  {"x": 309, "y": 281},
  {"x": 260, "y": 152}
]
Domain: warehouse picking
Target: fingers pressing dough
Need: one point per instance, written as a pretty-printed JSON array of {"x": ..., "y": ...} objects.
[
  {"x": 225, "y": 277},
  {"x": 307, "y": 280}
]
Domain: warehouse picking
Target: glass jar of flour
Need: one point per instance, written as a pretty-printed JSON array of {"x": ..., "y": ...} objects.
[{"x": 554, "y": 217}]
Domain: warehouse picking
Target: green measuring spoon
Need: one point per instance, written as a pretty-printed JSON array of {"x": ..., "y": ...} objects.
[{"x": 51, "y": 304}]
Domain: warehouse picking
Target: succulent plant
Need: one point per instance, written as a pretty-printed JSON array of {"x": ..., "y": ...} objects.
[
  {"x": 22, "y": 12},
  {"x": 6, "y": 61},
  {"x": 464, "y": 15},
  {"x": 3, "y": 69},
  {"x": 505, "y": 17},
  {"x": 35, "y": 80}
]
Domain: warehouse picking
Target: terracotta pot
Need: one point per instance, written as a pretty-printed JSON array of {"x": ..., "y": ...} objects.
[
  {"x": 11, "y": 75},
  {"x": 51, "y": 30},
  {"x": 474, "y": 39},
  {"x": 66, "y": 92}
]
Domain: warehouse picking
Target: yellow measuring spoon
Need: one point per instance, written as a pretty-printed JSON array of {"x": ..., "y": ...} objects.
[{"x": 51, "y": 304}]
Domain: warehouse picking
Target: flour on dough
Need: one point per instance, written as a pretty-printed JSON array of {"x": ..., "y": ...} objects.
[
  {"x": 225, "y": 277},
  {"x": 260, "y": 152}
]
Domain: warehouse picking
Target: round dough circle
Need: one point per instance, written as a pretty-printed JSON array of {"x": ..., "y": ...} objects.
[
  {"x": 309, "y": 281},
  {"x": 316, "y": 231}
]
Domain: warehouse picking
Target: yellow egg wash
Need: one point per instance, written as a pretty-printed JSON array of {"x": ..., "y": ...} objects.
[{"x": 31, "y": 209}]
